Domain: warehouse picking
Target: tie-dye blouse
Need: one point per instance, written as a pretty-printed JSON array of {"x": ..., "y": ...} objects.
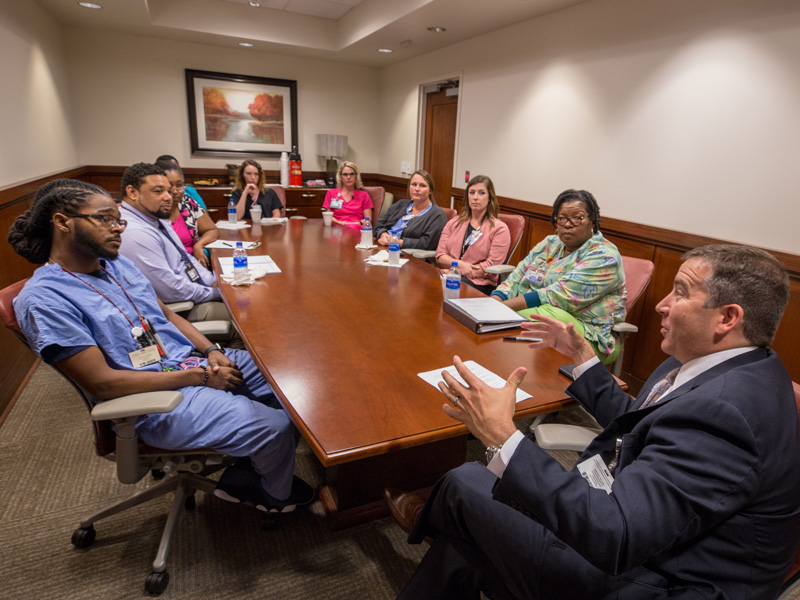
[{"x": 589, "y": 283}]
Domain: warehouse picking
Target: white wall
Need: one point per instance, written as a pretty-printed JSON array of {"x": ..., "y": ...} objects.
[
  {"x": 680, "y": 114},
  {"x": 35, "y": 116},
  {"x": 130, "y": 101}
]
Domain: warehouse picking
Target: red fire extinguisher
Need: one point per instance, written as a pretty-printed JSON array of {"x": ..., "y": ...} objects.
[{"x": 295, "y": 168}]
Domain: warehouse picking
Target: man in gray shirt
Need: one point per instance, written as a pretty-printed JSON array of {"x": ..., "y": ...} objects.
[{"x": 151, "y": 243}]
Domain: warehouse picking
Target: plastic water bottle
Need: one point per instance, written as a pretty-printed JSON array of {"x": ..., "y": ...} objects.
[
  {"x": 240, "y": 271},
  {"x": 232, "y": 211},
  {"x": 452, "y": 286},
  {"x": 394, "y": 250},
  {"x": 366, "y": 234}
]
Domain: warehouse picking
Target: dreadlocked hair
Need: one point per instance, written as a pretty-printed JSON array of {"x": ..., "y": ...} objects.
[
  {"x": 578, "y": 196},
  {"x": 31, "y": 234}
]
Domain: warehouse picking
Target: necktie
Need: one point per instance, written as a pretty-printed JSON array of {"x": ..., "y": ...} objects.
[{"x": 659, "y": 388}]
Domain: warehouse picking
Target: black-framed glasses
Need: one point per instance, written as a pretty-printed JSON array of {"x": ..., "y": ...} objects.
[
  {"x": 106, "y": 221},
  {"x": 348, "y": 174},
  {"x": 571, "y": 220}
]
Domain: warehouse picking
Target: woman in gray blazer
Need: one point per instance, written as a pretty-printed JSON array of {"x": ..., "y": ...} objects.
[{"x": 418, "y": 222}]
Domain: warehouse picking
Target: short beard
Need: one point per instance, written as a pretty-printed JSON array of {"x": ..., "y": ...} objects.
[{"x": 93, "y": 247}]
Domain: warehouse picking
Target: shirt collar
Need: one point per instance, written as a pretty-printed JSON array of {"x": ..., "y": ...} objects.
[{"x": 698, "y": 366}]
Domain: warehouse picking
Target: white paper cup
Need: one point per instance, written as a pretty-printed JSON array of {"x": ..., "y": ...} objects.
[
  {"x": 255, "y": 214},
  {"x": 327, "y": 218}
]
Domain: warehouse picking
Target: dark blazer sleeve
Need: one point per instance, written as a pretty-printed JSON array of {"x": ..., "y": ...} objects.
[
  {"x": 685, "y": 467},
  {"x": 423, "y": 232},
  {"x": 390, "y": 217}
]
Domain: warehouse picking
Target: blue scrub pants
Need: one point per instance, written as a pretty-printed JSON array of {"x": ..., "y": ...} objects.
[{"x": 246, "y": 422}]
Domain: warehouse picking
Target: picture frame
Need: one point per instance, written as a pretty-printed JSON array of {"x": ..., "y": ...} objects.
[{"x": 240, "y": 115}]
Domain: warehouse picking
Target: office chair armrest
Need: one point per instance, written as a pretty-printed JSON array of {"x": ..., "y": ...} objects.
[
  {"x": 624, "y": 328},
  {"x": 124, "y": 412},
  {"x": 136, "y": 405},
  {"x": 213, "y": 328},
  {"x": 181, "y": 307},
  {"x": 556, "y": 436},
  {"x": 499, "y": 269},
  {"x": 419, "y": 253}
]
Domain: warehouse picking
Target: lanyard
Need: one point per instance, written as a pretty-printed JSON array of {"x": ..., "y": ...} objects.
[{"x": 147, "y": 329}]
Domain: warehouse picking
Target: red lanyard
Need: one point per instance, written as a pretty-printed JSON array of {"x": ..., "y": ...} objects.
[{"x": 114, "y": 279}]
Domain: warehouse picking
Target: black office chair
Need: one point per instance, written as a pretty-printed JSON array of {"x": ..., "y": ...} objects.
[{"x": 179, "y": 471}]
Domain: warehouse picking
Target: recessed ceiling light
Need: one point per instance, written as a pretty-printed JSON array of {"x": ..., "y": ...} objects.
[
  {"x": 405, "y": 44},
  {"x": 385, "y": 50},
  {"x": 437, "y": 29},
  {"x": 255, "y": 3},
  {"x": 246, "y": 44},
  {"x": 89, "y": 5}
]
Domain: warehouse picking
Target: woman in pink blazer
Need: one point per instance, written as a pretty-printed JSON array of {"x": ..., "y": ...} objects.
[{"x": 476, "y": 238}]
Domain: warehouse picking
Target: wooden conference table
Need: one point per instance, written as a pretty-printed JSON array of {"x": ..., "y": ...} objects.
[{"x": 342, "y": 342}]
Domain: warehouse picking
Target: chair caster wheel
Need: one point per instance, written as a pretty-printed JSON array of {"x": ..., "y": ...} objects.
[
  {"x": 83, "y": 537},
  {"x": 156, "y": 582},
  {"x": 269, "y": 523},
  {"x": 190, "y": 503}
]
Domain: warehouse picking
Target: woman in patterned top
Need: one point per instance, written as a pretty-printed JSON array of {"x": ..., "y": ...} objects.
[
  {"x": 193, "y": 226},
  {"x": 575, "y": 276}
]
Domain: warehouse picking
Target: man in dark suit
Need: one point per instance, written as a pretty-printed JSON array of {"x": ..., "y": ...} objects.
[{"x": 690, "y": 491}]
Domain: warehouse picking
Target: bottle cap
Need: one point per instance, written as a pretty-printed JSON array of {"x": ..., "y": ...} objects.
[
  {"x": 238, "y": 244},
  {"x": 454, "y": 263}
]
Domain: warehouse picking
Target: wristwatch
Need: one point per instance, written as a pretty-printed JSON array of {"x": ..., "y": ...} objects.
[
  {"x": 491, "y": 451},
  {"x": 211, "y": 349}
]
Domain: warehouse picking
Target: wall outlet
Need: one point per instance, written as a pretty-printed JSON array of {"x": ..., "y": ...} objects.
[
  {"x": 466, "y": 176},
  {"x": 406, "y": 168}
]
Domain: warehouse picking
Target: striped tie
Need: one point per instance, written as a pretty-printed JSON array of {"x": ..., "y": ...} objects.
[{"x": 659, "y": 388}]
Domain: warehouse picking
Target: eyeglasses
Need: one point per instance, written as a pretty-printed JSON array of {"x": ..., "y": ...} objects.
[
  {"x": 177, "y": 188},
  {"x": 571, "y": 220},
  {"x": 106, "y": 221},
  {"x": 348, "y": 174}
]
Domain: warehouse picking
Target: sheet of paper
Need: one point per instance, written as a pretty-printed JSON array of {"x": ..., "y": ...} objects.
[
  {"x": 487, "y": 310},
  {"x": 259, "y": 263},
  {"x": 227, "y": 245},
  {"x": 485, "y": 375}
]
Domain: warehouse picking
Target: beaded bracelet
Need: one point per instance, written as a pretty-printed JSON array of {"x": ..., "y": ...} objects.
[{"x": 205, "y": 378}]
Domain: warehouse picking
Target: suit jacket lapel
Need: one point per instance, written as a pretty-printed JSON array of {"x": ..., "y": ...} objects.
[{"x": 715, "y": 371}]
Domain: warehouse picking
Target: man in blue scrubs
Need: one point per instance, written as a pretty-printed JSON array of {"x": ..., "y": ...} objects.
[{"x": 94, "y": 315}]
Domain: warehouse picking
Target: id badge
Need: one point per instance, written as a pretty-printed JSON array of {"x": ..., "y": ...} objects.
[
  {"x": 474, "y": 237},
  {"x": 192, "y": 273},
  {"x": 596, "y": 474},
  {"x": 536, "y": 276},
  {"x": 145, "y": 356},
  {"x": 337, "y": 203}
]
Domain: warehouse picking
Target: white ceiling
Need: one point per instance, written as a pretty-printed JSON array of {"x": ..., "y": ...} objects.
[{"x": 342, "y": 30}]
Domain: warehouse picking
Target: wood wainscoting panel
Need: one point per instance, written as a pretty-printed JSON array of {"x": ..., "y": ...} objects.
[
  {"x": 785, "y": 343},
  {"x": 18, "y": 360},
  {"x": 648, "y": 354}
]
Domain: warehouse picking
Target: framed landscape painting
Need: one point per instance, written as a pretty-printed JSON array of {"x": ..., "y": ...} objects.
[{"x": 242, "y": 115}]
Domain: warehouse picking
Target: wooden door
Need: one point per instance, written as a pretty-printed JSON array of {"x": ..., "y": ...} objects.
[{"x": 441, "y": 113}]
